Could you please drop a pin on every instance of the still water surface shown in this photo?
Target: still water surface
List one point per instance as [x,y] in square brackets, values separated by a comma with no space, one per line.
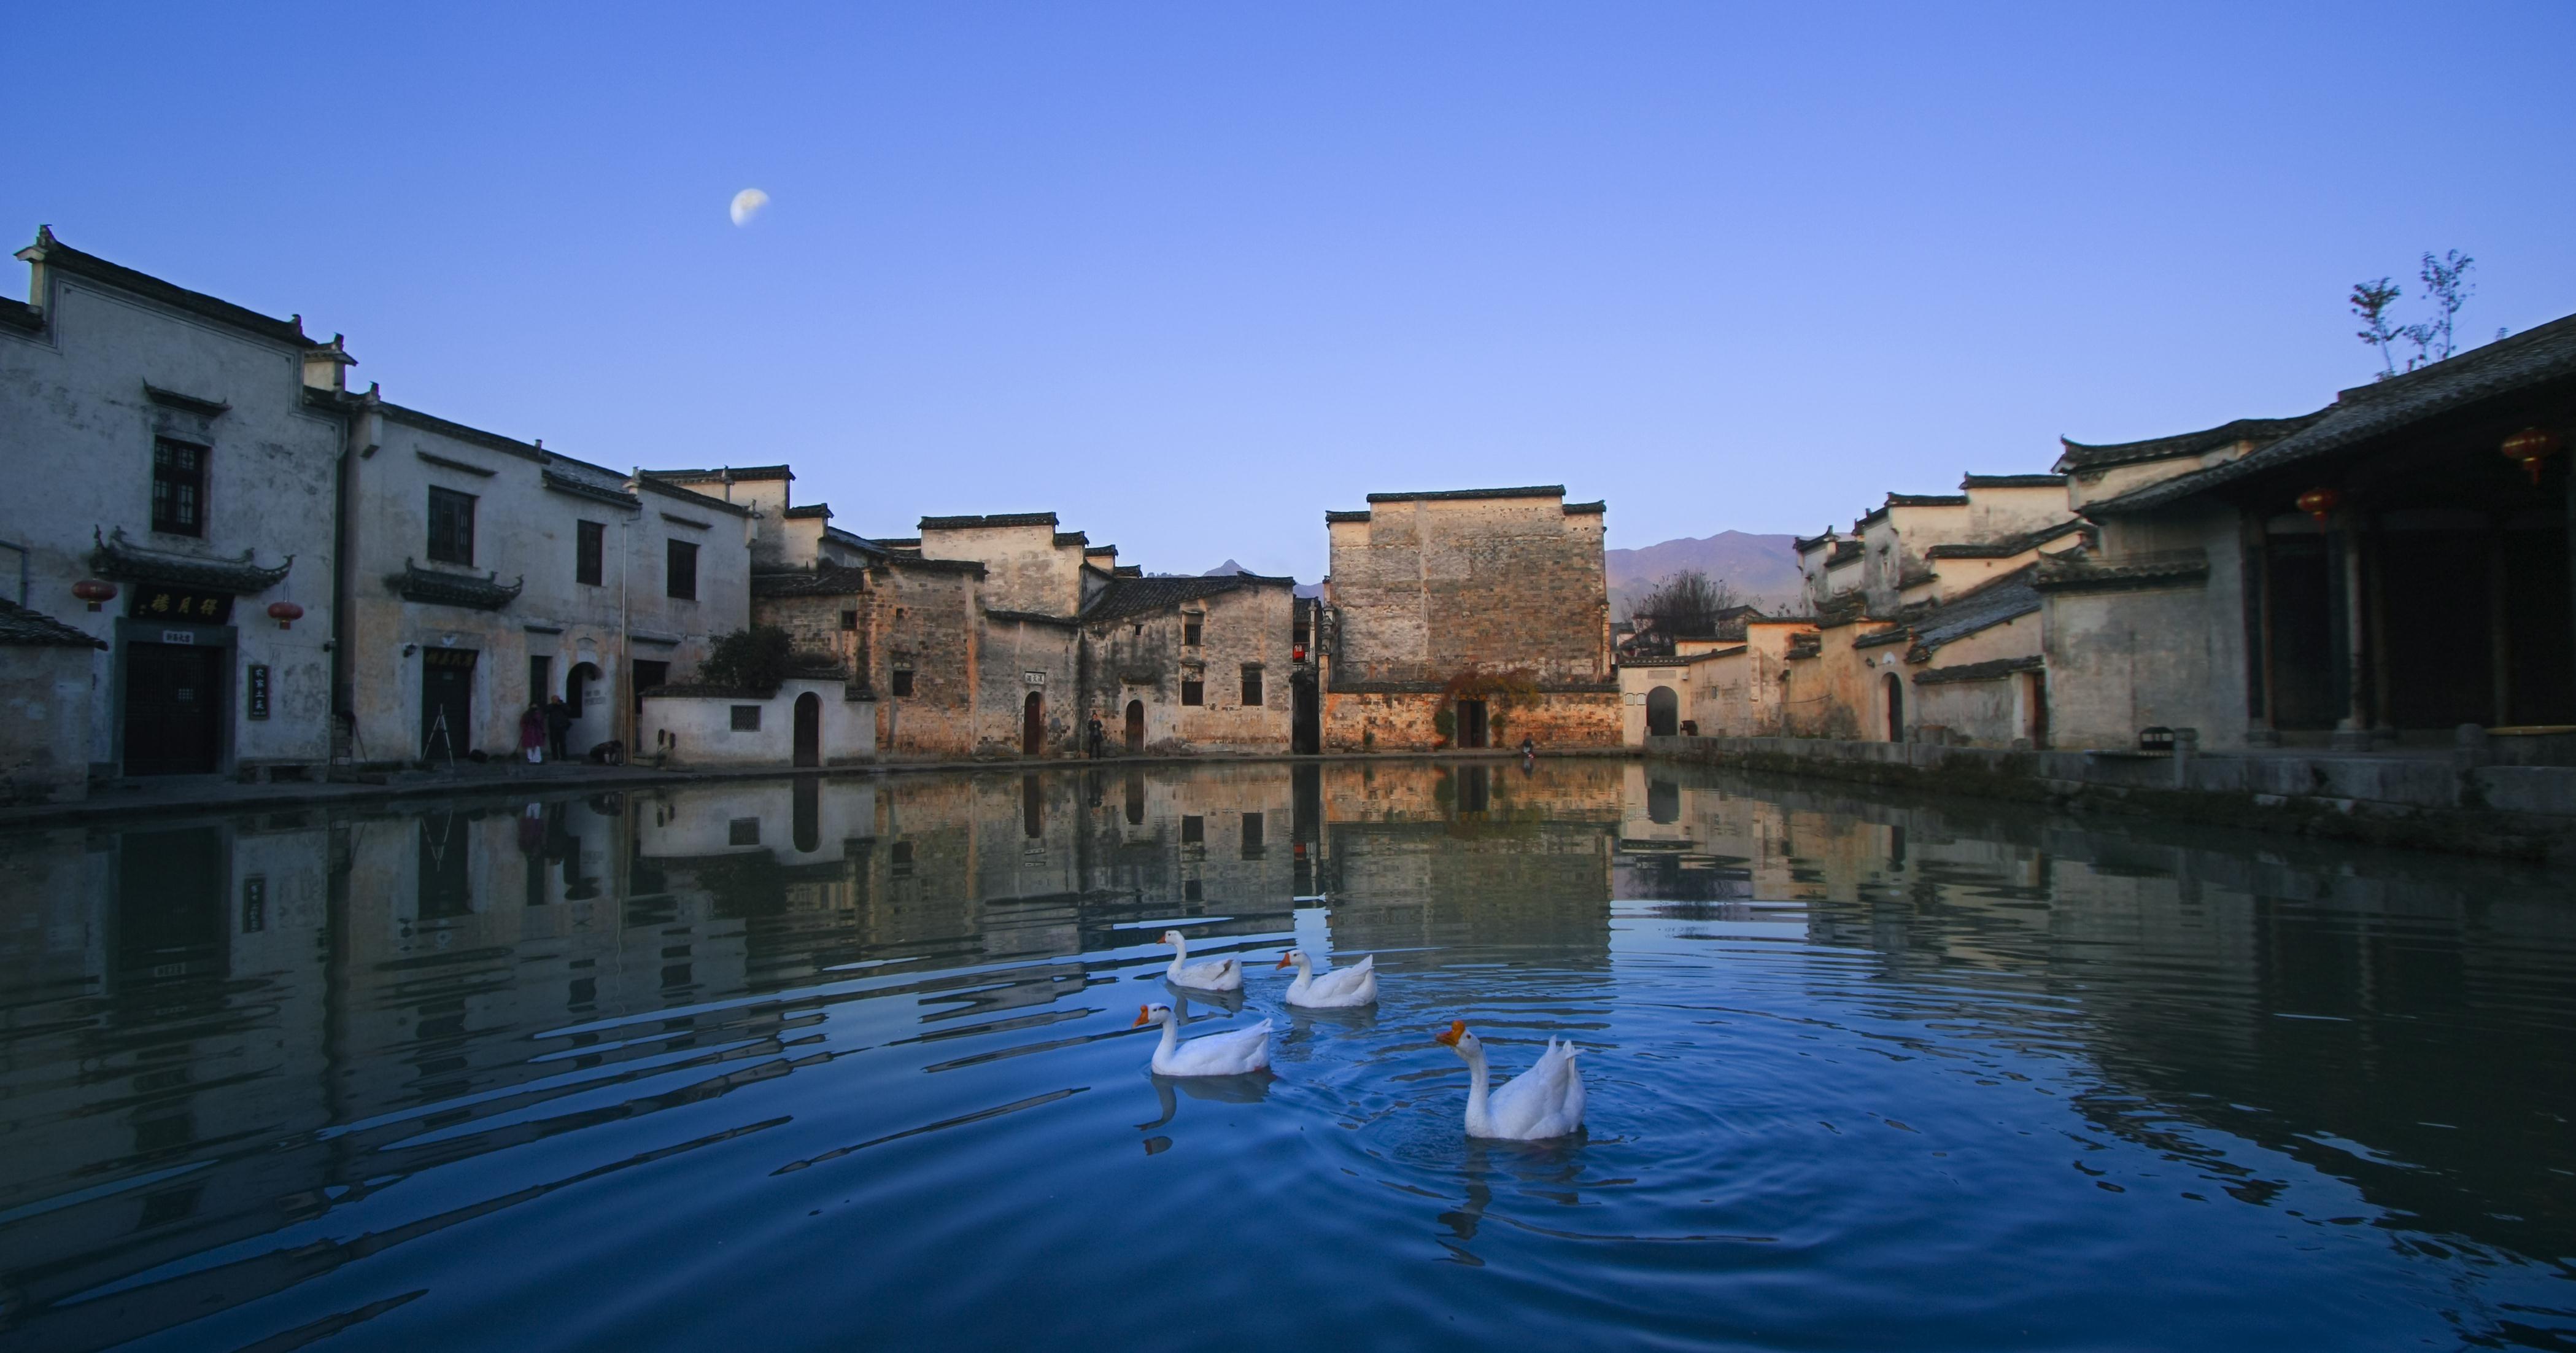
[848,1063]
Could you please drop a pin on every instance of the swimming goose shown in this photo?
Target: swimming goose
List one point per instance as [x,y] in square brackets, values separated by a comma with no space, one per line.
[1339,989]
[1542,1102]
[1224,974]
[1227,1054]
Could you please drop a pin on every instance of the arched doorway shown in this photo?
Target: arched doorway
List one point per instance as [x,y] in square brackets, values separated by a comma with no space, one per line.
[809,729]
[1135,725]
[586,699]
[1895,707]
[1033,725]
[1663,712]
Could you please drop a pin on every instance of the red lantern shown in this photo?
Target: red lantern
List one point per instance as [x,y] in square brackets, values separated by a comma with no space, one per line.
[2318,503]
[1298,653]
[2529,447]
[94,591]
[285,613]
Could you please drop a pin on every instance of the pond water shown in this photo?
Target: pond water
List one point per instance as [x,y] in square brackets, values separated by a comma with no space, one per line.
[846,1063]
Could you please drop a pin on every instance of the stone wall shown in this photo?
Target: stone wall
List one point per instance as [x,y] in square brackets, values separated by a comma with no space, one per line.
[1143,660]
[1403,721]
[696,730]
[45,712]
[1429,587]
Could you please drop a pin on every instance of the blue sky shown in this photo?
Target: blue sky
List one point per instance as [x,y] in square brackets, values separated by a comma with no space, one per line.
[1191,274]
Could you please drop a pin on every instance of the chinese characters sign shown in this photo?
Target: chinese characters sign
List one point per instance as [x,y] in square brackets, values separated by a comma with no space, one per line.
[153,601]
[255,690]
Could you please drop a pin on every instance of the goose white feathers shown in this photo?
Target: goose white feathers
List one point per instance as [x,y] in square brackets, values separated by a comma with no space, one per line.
[1542,1102]
[1339,989]
[1224,974]
[1233,1053]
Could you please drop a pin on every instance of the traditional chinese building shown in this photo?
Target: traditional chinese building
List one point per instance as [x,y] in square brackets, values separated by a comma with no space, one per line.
[1468,618]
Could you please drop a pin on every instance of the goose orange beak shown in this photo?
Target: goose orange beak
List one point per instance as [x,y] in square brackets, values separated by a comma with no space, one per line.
[1144,1015]
[1283,962]
[1449,1037]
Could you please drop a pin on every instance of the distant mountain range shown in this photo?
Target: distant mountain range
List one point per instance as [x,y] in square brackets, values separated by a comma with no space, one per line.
[1761,569]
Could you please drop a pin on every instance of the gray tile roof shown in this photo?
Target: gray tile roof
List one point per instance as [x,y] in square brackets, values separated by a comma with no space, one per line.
[2007,547]
[2079,456]
[1991,670]
[24,628]
[2535,358]
[2012,481]
[970,523]
[114,557]
[824,580]
[53,253]
[1997,602]
[1440,495]
[1125,597]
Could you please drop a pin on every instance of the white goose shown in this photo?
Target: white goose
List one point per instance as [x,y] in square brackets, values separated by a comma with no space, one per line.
[1339,989]
[1227,1054]
[1224,974]
[1542,1102]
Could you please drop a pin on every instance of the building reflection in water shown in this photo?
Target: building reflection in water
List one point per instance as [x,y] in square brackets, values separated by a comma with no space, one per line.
[220,1029]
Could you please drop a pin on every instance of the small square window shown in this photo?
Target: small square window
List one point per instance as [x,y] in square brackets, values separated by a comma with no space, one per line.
[1193,692]
[901,859]
[680,578]
[1193,891]
[743,831]
[1193,829]
[903,681]
[849,620]
[1252,836]
[746,718]
[1251,685]
[1190,630]
[451,526]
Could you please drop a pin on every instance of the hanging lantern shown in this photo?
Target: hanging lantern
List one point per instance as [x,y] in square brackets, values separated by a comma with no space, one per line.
[2529,447]
[2319,503]
[285,613]
[95,591]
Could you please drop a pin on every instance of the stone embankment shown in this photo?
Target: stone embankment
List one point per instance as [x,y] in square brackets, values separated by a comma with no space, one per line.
[2460,802]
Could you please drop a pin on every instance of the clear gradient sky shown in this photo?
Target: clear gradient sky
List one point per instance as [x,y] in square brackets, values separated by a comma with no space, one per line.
[1191,274]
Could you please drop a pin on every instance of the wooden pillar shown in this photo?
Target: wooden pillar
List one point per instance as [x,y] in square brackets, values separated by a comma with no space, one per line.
[2375,639]
[2356,611]
[2499,628]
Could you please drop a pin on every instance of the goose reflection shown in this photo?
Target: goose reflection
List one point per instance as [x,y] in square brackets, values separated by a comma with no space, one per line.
[1249,1088]
[1231,1002]
[1550,1171]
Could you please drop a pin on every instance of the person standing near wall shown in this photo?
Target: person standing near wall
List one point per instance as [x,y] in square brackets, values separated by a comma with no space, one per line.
[558,723]
[532,733]
[1097,733]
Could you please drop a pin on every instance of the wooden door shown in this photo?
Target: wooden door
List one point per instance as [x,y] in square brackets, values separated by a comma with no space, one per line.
[1135,725]
[447,703]
[1033,725]
[1471,723]
[174,709]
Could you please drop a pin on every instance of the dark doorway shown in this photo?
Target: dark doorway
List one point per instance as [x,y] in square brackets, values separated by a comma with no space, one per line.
[1033,725]
[1471,723]
[174,709]
[1305,720]
[578,684]
[1135,725]
[1663,712]
[1895,688]
[446,702]
[541,678]
[648,674]
[809,729]
[2300,628]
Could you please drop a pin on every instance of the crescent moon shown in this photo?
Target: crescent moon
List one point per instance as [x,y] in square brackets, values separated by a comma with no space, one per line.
[747,204]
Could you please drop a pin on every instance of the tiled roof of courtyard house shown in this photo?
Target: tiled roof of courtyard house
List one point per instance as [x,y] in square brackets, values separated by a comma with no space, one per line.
[21,627]
[1125,596]
[823,510]
[1446,495]
[722,473]
[2528,361]
[1803,544]
[1998,601]
[822,580]
[2012,481]
[1990,670]
[2079,456]
[692,497]
[53,253]
[2008,546]
[1927,500]
[974,523]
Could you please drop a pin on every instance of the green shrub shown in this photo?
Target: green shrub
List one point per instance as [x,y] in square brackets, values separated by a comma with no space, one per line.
[753,659]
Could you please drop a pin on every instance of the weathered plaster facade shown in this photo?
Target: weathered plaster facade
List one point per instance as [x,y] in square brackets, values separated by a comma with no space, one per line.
[102,370]
[806,722]
[44,708]
[566,567]
[1428,589]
